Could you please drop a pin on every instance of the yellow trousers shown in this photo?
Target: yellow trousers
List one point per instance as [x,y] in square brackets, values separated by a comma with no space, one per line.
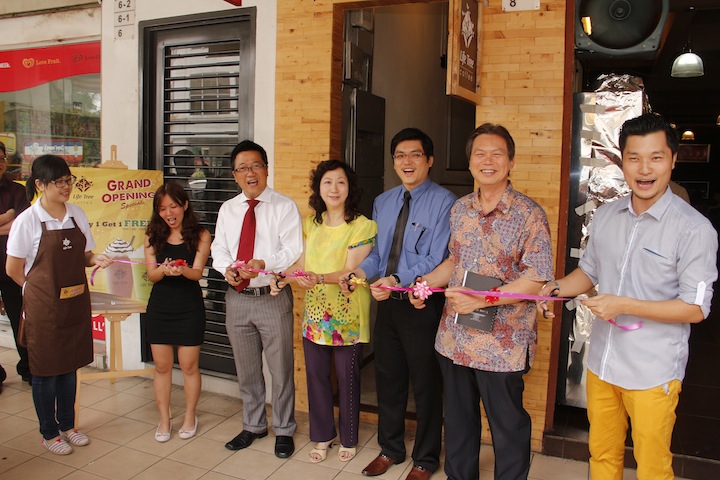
[652,414]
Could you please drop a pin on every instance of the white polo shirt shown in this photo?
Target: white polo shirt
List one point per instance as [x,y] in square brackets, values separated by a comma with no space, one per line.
[24,236]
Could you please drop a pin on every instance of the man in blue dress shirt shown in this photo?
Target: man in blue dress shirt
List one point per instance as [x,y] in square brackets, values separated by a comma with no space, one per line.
[413,233]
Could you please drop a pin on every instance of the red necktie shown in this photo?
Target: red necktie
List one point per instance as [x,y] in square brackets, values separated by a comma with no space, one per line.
[246,247]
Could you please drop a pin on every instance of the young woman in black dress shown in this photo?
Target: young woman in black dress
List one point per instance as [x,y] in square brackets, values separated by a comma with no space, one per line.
[175,311]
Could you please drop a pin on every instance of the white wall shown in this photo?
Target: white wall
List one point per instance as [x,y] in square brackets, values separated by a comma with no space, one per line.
[70,26]
[17,6]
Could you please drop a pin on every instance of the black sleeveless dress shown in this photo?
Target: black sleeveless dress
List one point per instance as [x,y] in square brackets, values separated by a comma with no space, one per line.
[175,310]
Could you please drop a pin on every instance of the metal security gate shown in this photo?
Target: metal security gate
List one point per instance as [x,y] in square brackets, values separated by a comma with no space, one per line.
[198,93]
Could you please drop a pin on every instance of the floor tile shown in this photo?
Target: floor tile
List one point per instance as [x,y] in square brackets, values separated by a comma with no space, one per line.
[120,404]
[80,475]
[91,419]
[552,468]
[225,430]
[13,401]
[11,458]
[121,430]
[303,471]
[220,405]
[201,452]
[37,468]
[14,426]
[171,469]
[91,394]
[29,442]
[250,465]
[122,464]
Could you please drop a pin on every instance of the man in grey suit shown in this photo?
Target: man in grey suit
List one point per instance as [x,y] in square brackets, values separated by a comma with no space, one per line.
[263,229]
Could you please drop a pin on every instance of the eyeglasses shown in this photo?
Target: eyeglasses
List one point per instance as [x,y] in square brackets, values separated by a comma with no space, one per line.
[61,182]
[3,160]
[254,168]
[411,156]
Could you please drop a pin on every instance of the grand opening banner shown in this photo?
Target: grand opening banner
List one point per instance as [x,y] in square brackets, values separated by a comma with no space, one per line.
[118,204]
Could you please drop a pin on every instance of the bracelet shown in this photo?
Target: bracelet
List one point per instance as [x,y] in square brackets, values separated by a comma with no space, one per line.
[555,291]
[322,279]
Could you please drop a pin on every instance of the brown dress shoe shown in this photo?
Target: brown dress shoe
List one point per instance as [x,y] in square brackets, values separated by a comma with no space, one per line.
[379,465]
[419,473]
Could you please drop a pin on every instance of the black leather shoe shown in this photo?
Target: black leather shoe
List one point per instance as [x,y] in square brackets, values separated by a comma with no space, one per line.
[3,375]
[244,440]
[284,446]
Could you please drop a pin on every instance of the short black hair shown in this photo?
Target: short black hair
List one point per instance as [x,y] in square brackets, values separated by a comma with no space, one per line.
[412,134]
[491,129]
[645,125]
[247,146]
[2,147]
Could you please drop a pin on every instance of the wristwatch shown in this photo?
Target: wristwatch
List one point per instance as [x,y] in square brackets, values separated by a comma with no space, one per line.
[396,277]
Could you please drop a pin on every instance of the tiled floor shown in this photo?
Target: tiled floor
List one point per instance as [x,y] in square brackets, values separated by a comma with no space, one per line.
[120,420]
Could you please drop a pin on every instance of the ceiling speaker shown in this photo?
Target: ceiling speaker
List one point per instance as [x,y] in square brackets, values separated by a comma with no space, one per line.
[619,28]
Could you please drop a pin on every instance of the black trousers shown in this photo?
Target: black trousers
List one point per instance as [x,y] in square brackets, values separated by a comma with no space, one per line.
[510,426]
[12,298]
[405,353]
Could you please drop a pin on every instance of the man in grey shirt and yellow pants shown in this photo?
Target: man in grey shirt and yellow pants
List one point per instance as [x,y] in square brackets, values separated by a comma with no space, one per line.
[653,257]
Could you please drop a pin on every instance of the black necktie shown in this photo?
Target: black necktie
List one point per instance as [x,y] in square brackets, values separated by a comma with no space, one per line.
[396,247]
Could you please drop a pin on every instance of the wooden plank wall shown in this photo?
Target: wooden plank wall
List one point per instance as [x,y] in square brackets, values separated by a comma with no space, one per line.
[522,67]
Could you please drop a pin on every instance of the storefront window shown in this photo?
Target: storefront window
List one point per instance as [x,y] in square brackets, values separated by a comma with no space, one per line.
[50,103]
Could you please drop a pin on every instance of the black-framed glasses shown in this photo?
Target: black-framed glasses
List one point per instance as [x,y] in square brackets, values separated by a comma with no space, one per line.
[412,156]
[254,168]
[61,182]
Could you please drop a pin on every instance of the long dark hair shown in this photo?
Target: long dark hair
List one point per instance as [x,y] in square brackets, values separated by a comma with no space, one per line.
[352,203]
[158,230]
[45,168]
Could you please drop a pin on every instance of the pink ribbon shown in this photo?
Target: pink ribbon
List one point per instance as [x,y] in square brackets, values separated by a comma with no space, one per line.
[627,328]
[241,264]
[422,291]
[133,262]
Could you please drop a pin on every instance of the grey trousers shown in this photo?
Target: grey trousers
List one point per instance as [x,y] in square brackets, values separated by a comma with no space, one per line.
[254,325]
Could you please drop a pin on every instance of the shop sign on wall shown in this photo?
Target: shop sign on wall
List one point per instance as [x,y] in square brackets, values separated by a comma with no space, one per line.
[27,68]
[463,49]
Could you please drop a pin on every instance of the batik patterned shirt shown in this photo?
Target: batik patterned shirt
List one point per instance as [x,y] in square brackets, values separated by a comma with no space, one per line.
[510,242]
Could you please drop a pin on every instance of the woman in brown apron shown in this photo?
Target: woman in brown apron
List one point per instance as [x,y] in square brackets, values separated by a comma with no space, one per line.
[48,248]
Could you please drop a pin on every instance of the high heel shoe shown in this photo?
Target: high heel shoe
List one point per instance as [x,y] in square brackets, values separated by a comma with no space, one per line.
[185,434]
[162,437]
[319,453]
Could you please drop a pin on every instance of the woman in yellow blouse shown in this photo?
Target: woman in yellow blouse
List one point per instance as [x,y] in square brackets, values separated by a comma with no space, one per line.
[337,239]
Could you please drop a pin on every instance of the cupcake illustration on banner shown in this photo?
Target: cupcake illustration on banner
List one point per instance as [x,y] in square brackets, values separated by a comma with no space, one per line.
[120,275]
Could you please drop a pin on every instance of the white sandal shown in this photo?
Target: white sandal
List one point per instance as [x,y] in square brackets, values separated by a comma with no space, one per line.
[319,453]
[345,454]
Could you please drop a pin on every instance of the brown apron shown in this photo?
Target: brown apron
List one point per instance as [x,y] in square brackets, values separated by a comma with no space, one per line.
[57,323]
